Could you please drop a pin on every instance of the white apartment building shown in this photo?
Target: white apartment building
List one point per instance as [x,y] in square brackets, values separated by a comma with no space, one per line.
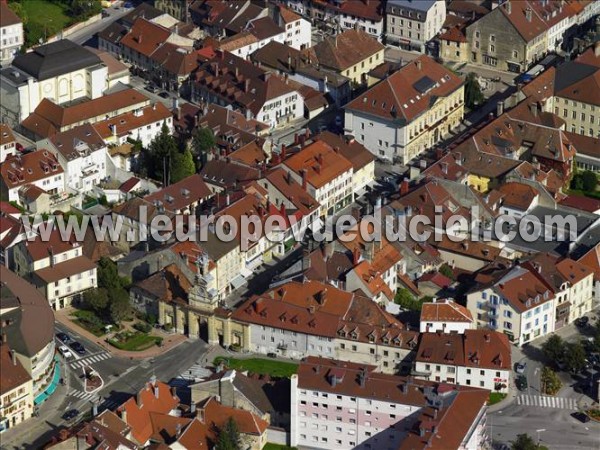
[57,268]
[364,15]
[82,153]
[281,110]
[60,72]
[40,168]
[8,143]
[337,404]
[479,358]
[298,30]
[445,316]
[518,304]
[408,112]
[571,282]
[142,124]
[11,34]
[411,24]
[325,174]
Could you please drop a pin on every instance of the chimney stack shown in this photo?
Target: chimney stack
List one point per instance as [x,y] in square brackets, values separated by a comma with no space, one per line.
[499,108]
[404,186]
[528,14]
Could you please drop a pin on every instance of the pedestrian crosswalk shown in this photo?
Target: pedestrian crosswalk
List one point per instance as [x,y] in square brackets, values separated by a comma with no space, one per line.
[89,360]
[94,397]
[541,401]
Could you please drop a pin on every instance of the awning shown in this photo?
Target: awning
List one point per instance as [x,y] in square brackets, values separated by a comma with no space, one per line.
[246,273]
[51,387]
[238,282]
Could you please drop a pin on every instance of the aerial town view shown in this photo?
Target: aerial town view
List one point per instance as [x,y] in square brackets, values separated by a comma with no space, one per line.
[300,224]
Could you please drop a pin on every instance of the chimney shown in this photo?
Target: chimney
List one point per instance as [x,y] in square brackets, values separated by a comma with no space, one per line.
[283,151]
[247,85]
[444,166]
[508,6]
[318,168]
[486,336]
[533,107]
[404,187]
[156,391]
[296,139]
[306,132]
[124,415]
[528,14]
[418,64]
[355,256]
[458,158]
[499,108]
[13,355]
[193,408]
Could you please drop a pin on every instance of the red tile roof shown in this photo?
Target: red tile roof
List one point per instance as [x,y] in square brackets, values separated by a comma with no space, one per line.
[409,92]
[145,37]
[6,134]
[321,164]
[65,269]
[445,311]
[125,124]
[12,375]
[19,170]
[182,194]
[155,397]
[216,415]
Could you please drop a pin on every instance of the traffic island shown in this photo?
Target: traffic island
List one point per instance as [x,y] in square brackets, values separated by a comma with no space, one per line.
[92,380]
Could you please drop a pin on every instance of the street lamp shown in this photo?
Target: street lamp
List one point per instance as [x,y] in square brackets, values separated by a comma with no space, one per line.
[541,430]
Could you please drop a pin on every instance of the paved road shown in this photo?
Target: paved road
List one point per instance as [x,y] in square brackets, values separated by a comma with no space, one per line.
[86,34]
[563,432]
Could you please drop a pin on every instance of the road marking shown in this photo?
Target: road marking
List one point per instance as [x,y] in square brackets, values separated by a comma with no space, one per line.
[547,402]
[89,359]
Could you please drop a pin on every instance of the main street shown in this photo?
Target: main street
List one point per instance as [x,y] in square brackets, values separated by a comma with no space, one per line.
[123,377]
[87,33]
[562,431]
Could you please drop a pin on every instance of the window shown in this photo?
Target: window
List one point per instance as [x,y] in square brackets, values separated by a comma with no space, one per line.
[482,372]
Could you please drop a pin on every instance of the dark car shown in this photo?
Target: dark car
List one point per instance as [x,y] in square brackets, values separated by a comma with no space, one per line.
[582,321]
[521,382]
[520,367]
[164,94]
[63,337]
[151,88]
[581,417]
[77,347]
[272,355]
[70,414]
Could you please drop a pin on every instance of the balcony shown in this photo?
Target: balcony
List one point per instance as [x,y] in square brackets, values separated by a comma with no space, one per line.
[493,312]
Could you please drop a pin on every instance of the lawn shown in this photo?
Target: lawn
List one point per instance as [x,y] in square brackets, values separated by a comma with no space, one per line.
[261,366]
[496,397]
[270,446]
[45,18]
[89,321]
[134,342]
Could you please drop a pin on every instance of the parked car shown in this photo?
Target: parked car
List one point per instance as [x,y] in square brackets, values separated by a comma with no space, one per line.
[272,355]
[65,352]
[581,417]
[79,349]
[164,94]
[70,414]
[521,382]
[151,88]
[520,367]
[582,321]
[20,147]
[63,337]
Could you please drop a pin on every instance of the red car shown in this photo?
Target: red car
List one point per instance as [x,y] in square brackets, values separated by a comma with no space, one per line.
[20,147]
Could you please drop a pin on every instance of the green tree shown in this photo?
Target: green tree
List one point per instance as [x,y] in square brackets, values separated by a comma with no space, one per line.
[589,181]
[574,357]
[119,307]
[554,348]
[96,300]
[407,301]
[182,166]
[447,271]
[17,8]
[108,275]
[526,442]
[160,154]
[229,437]
[82,9]
[473,95]
[202,142]
[551,384]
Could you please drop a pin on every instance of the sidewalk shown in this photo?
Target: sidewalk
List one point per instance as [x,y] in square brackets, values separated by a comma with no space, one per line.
[170,340]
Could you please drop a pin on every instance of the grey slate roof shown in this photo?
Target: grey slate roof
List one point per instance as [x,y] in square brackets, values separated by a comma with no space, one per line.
[54,59]
[418,5]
